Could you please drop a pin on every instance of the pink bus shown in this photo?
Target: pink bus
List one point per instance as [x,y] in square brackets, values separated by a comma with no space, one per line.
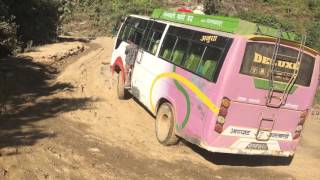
[219,85]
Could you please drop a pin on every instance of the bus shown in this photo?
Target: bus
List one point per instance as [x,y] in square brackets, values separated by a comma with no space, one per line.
[224,84]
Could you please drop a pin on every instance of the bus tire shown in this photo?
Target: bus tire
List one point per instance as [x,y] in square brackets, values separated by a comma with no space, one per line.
[121,91]
[164,125]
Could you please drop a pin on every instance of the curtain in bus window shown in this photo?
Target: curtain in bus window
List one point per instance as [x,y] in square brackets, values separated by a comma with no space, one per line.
[167,47]
[194,56]
[209,63]
[258,57]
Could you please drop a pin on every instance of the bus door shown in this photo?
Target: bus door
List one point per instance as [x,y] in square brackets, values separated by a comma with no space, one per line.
[142,75]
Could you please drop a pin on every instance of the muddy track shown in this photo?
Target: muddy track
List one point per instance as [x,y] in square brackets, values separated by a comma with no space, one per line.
[70,125]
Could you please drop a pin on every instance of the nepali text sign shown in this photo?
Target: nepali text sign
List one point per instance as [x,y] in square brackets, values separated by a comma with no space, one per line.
[210,22]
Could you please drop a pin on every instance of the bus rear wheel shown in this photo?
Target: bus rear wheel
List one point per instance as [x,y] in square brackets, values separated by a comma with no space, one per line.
[121,91]
[164,125]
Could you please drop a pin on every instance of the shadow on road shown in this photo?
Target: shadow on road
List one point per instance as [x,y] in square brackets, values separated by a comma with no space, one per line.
[239,160]
[24,90]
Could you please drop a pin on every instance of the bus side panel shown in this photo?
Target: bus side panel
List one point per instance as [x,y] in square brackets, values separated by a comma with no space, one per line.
[217,91]
[147,86]
[161,83]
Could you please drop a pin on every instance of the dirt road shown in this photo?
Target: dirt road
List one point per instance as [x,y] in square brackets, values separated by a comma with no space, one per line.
[65,122]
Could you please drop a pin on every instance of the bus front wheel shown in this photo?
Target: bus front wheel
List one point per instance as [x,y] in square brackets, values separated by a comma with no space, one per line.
[121,91]
[164,125]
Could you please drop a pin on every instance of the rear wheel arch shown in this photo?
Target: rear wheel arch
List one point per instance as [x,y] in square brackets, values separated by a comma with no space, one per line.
[118,67]
[164,100]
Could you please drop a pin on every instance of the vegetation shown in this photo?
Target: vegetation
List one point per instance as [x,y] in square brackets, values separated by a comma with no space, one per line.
[300,16]
[24,23]
[27,22]
[99,16]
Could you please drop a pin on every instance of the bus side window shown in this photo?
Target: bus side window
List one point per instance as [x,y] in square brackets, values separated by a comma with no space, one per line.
[209,63]
[194,56]
[125,29]
[153,38]
[133,27]
[179,51]
[167,47]
[155,41]
[145,34]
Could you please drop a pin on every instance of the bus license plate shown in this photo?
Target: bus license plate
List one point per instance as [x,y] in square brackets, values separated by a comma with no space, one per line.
[257,146]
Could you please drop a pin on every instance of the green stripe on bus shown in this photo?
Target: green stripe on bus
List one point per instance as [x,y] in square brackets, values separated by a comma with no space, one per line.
[278,86]
[221,23]
[186,95]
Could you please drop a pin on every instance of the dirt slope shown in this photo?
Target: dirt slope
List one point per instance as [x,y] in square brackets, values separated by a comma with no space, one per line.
[73,127]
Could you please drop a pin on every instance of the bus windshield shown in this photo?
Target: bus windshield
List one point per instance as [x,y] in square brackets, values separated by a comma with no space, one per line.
[257,60]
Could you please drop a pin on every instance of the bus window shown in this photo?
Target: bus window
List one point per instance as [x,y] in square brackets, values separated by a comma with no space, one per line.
[180,32]
[133,27]
[124,30]
[209,63]
[167,47]
[257,58]
[155,41]
[126,33]
[194,56]
[179,51]
[152,41]
[145,34]
[198,52]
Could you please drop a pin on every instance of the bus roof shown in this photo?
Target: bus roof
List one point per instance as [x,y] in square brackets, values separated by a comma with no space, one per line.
[206,30]
[230,25]
[221,23]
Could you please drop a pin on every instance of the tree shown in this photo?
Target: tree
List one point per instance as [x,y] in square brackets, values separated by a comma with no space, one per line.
[24,21]
[211,6]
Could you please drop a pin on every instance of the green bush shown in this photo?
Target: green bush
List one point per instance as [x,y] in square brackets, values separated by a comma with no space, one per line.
[104,14]
[37,20]
[22,22]
[299,16]
[314,35]
[8,37]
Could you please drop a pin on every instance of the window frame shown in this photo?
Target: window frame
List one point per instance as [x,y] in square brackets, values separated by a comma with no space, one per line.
[281,46]
[129,24]
[224,51]
[151,33]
